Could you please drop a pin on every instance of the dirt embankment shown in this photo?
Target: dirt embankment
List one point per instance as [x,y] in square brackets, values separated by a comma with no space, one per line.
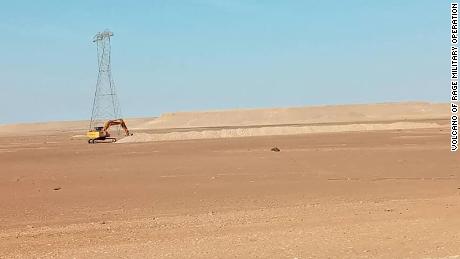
[292,121]
[272,131]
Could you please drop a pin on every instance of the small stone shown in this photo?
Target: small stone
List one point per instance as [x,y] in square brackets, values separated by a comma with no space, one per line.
[57,189]
[275,149]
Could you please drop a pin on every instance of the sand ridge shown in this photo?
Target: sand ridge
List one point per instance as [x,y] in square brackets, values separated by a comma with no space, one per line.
[303,115]
[310,115]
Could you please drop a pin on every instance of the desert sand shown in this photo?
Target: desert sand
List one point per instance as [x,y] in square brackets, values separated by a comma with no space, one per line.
[372,181]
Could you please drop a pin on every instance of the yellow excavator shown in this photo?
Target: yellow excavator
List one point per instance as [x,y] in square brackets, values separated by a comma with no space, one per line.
[101,134]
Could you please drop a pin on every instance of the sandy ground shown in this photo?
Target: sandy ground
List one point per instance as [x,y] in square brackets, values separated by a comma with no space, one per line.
[392,193]
[375,194]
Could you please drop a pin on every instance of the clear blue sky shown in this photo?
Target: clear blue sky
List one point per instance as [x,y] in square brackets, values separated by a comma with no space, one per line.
[171,55]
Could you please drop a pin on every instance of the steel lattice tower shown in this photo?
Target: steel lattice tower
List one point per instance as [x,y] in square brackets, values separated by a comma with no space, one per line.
[105,104]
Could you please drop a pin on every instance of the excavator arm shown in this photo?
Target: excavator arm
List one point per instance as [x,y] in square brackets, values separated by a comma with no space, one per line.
[111,123]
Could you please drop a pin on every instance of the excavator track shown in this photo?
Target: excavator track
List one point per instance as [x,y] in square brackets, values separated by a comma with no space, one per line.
[106,140]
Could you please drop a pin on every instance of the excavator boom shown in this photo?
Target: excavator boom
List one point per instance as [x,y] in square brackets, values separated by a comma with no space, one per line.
[120,122]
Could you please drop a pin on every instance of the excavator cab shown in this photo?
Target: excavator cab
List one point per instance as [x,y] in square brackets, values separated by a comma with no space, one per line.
[101,134]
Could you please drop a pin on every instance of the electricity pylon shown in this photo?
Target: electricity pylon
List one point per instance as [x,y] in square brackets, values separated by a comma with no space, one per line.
[105,103]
